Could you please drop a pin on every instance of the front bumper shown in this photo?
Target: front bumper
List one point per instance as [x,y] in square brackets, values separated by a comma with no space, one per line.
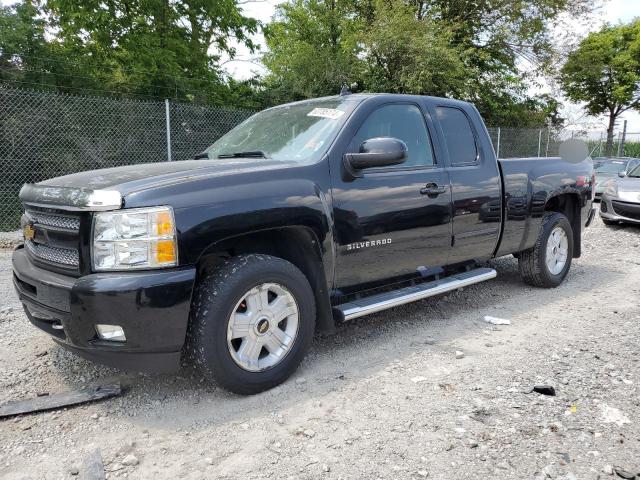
[151,306]
[616,210]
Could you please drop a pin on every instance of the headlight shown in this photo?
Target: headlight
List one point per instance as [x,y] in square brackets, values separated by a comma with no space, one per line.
[134,239]
[611,188]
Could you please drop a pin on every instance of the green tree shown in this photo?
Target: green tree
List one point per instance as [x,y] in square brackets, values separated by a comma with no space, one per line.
[311,49]
[153,48]
[500,33]
[604,72]
[472,49]
[22,34]
[315,47]
[405,54]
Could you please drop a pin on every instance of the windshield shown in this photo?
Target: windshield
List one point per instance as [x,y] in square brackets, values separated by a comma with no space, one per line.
[298,131]
[635,173]
[611,167]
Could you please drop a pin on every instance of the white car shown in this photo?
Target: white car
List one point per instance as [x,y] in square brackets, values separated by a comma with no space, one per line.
[621,199]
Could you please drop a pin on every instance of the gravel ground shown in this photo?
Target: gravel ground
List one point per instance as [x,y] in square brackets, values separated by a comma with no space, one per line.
[10,239]
[388,396]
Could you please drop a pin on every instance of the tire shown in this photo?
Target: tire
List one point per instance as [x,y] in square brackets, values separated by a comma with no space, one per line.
[248,286]
[534,268]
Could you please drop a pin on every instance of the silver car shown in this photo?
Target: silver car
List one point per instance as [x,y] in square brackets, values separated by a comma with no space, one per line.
[607,168]
[621,199]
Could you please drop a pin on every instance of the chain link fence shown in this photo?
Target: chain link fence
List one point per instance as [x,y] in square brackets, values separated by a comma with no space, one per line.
[49,134]
[525,142]
[629,145]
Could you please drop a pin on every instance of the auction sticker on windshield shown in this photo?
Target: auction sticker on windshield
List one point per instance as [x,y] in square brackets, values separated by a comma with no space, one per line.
[332,113]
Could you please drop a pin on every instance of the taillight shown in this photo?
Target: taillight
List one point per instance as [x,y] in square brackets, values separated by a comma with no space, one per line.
[593,185]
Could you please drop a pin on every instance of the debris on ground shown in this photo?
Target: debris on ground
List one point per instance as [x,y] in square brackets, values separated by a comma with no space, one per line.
[92,467]
[544,390]
[130,460]
[45,401]
[622,473]
[613,415]
[496,320]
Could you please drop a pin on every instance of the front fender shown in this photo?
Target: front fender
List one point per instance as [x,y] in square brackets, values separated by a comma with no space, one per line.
[251,208]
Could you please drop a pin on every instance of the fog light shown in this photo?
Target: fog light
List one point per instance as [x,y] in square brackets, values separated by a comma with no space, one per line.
[113,333]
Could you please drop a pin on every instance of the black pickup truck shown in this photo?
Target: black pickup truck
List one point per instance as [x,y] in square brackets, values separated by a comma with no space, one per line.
[304,216]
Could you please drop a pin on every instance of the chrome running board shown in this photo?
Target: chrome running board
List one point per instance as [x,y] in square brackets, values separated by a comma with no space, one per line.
[382,301]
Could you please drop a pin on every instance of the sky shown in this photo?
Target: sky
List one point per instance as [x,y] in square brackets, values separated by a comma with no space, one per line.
[246,64]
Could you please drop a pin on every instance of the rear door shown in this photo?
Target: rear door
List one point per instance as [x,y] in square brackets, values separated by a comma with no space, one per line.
[392,220]
[475,183]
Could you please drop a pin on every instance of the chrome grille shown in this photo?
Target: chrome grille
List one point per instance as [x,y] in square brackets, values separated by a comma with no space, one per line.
[62,256]
[52,220]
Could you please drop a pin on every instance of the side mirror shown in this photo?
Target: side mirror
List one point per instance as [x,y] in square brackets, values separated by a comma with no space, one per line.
[376,152]
[622,174]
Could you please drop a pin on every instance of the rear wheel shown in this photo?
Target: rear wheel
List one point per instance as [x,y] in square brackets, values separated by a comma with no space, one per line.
[252,323]
[548,262]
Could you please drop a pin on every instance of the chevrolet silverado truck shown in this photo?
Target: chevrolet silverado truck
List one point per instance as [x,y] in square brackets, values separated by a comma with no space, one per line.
[304,216]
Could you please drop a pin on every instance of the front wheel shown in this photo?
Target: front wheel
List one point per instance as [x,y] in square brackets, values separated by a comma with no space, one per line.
[548,262]
[252,322]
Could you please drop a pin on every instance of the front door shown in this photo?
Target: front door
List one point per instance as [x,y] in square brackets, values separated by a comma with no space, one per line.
[392,220]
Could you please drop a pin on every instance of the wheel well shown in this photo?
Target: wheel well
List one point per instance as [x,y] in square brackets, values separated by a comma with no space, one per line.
[298,245]
[569,205]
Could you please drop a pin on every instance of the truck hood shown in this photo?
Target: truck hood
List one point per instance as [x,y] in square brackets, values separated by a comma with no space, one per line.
[104,189]
[132,178]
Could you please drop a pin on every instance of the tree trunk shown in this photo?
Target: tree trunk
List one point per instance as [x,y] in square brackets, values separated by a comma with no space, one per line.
[612,123]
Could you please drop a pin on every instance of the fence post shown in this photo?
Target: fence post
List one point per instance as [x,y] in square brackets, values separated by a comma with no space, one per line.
[166,114]
[622,140]
[600,151]
[498,144]
[617,153]
[539,141]
[546,152]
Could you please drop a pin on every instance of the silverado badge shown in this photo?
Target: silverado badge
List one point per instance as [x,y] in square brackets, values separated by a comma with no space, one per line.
[367,244]
[29,232]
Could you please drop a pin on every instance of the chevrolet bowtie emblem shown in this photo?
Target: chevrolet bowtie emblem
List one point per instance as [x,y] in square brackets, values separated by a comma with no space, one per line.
[29,232]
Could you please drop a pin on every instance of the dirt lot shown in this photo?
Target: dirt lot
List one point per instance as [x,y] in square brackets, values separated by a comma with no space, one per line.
[386,397]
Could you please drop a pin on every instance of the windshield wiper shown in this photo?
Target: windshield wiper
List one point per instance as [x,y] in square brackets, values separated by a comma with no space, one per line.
[249,154]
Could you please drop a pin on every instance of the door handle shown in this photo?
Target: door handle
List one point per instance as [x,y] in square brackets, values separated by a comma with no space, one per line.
[432,190]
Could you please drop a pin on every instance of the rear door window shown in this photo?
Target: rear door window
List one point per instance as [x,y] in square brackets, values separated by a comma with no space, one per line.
[458,136]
